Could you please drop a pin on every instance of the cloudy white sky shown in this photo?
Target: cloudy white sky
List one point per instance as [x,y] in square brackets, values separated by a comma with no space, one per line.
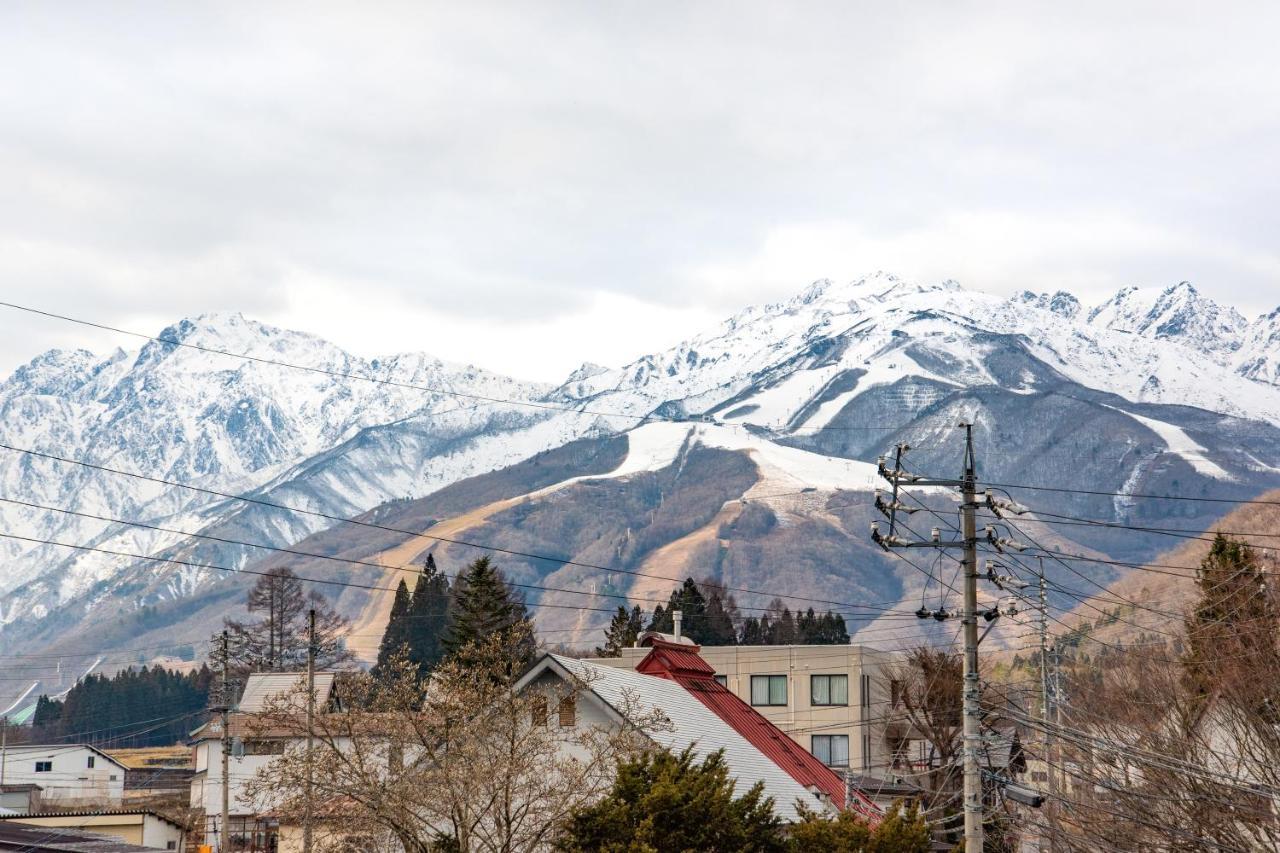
[528,185]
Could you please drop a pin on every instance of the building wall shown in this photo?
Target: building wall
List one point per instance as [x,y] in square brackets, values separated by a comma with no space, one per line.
[868,719]
[141,829]
[206,785]
[70,780]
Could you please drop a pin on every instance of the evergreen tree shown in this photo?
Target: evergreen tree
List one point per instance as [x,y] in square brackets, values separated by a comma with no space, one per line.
[899,832]
[752,633]
[623,631]
[691,603]
[719,629]
[666,803]
[120,710]
[395,638]
[1231,634]
[428,617]
[784,632]
[483,605]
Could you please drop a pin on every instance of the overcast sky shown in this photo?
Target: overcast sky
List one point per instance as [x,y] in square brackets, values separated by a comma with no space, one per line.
[529,185]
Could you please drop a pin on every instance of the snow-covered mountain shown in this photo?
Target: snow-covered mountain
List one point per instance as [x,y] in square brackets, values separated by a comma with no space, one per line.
[221,423]
[1150,391]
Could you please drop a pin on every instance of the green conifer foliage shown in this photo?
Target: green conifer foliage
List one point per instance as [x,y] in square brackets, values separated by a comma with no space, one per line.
[666,803]
[482,605]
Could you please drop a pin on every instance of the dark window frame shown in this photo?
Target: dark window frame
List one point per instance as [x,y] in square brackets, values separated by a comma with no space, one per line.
[828,676]
[829,740]
[770,680]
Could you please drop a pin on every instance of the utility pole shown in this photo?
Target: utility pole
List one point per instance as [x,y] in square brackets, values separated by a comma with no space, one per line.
[224,707]
[4,746]
[972,708]
[968,543]
[1044,704]
[311,716]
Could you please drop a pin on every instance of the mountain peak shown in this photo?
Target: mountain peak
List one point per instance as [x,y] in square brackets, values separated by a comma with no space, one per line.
[1178,312]
[1061,303]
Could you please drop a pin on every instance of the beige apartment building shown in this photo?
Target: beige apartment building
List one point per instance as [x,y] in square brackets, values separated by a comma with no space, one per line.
[839,702]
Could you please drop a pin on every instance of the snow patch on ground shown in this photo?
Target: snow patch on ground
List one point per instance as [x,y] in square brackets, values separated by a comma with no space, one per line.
[1181,444]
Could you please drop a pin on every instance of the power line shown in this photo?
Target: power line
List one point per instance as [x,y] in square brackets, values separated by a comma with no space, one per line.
[412,533]
[352,561]
[337,374]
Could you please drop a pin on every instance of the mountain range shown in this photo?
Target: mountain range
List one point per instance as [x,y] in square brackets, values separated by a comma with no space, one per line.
[744,455]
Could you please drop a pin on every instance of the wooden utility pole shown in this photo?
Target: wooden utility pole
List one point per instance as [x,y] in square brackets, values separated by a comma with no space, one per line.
[311,716]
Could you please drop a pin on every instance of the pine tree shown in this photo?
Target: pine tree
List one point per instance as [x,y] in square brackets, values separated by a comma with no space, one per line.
[427,620]
[623,631]
[395,638]
[484,605]
[751,635]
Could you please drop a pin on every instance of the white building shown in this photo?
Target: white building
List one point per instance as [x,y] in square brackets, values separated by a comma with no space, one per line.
[68,774]
[703,714]
[250,749]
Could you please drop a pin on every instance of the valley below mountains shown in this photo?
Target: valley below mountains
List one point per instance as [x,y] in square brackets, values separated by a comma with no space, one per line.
[137,485]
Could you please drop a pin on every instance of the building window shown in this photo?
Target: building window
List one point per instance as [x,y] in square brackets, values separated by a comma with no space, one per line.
[171,845]
[722,680]
[111,778]
[44,766]
[831,750]
[866,752]
[769,690]
[90,763]
[538,710]
[568,713]
[829,689]
[263,746]
[865,692]
[895,693]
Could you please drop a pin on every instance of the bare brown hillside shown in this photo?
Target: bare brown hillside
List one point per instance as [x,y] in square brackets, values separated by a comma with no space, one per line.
[1167,584]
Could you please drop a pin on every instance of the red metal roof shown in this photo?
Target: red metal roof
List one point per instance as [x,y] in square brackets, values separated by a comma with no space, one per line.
[682,664]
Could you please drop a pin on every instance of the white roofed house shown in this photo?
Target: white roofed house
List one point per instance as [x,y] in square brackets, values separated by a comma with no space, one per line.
[251,745]
[69,774]
[702,715]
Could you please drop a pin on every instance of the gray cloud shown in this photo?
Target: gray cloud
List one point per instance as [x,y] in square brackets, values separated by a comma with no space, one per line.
[514,168]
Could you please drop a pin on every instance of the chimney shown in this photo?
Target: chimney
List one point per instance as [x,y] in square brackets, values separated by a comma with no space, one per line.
[676,617]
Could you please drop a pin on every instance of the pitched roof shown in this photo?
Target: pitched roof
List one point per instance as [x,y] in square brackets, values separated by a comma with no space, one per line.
[36,839]
[53,815]
[683,665]
[52,749]
[628,692]
[262,687]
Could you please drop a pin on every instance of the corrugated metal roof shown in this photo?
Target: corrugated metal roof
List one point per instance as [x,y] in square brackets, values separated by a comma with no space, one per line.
[262,687]
[31,839]
[691,725]
[683,665]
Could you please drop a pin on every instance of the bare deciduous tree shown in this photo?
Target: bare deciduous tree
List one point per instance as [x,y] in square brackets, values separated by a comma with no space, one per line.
[459,762]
